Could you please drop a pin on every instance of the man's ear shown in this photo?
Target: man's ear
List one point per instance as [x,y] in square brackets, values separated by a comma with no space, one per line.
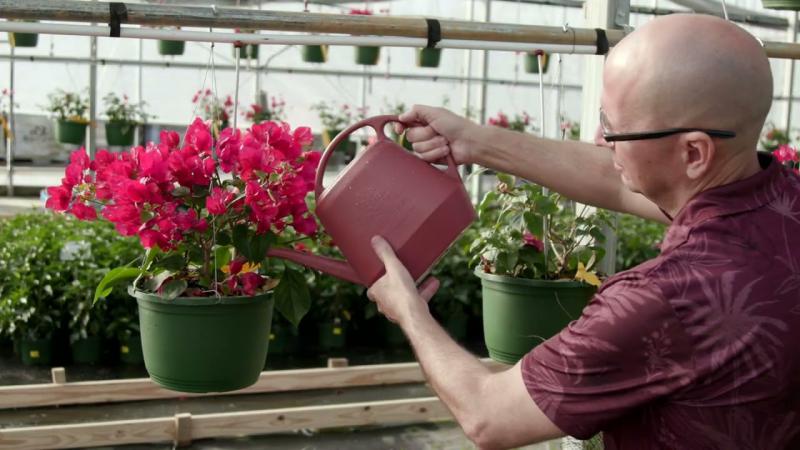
[697,150]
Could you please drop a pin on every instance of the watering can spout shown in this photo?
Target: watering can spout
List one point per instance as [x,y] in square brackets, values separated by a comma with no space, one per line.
[332,266]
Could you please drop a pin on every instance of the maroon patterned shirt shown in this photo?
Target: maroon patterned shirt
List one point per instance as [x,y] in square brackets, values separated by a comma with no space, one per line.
[698,348]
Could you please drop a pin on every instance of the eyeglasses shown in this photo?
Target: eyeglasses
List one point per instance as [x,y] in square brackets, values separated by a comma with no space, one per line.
[640,136]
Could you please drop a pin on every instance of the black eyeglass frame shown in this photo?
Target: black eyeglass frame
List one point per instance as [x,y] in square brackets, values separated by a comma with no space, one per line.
[640,136]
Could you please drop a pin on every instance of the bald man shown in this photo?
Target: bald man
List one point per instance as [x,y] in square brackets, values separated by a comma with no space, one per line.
[694,349]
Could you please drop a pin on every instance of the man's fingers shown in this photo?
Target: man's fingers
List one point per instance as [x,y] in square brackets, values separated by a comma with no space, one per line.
[430,144]
[429,288]
[384,251]
[420,134]
[436,156]
[417,114]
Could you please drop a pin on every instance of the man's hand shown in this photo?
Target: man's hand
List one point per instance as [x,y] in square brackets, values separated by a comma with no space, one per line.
[435,132]
[396,293]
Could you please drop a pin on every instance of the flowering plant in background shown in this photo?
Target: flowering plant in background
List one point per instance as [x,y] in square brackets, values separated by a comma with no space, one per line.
[205,210]
[520,122]
[570,130]
[214,109]
[774,138]
[258,113]
[518,219]
[5,110]
[120,110]
[338,116]
[788,156]
[360,12]
[68,106]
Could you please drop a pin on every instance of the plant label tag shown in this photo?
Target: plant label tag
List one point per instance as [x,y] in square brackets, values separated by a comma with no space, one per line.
[271,336]
[124,349]
[337,331]
[34,354]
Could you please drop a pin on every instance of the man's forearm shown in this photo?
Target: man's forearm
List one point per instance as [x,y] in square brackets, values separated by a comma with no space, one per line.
[455,375]
[580,171]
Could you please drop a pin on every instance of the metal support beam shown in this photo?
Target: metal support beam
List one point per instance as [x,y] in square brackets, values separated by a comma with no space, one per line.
[11,138]
[788,80]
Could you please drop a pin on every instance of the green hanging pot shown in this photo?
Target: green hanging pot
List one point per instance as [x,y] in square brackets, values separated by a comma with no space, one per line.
[786,5]
[38,352]
[332,334]
[87,351]
[429,57]
[532,62]
[130,350]
[315,53]
[204,344]
[120,133]
[23,39]
[519,314]
[368,56]
[68,132]
[246,51]
[171,48]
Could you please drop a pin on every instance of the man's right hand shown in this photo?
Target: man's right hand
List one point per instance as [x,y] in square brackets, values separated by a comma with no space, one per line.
[435,132]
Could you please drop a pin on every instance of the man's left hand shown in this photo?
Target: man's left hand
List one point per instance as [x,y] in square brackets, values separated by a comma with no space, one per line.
[395,292]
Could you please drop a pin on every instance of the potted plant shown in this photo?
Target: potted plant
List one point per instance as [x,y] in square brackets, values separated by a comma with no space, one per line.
[171,48]
[519,122]
[429,57]
[773,138]
[535,256]
[788,156]
[206,211]
[570,130]
[123,118]
[783,5]
[315,53]
[366,55]
[532,62]
[214,109]
[259,113]
[245,50]
[24,39]
[638,240]
[335,118]
[69,110]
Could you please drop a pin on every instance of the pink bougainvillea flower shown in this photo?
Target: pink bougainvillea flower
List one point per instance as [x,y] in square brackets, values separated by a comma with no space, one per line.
[251,282]
[530,240]
[58,198]
[786,153]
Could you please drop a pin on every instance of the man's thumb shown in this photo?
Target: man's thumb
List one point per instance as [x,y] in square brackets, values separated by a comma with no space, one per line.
[429,288]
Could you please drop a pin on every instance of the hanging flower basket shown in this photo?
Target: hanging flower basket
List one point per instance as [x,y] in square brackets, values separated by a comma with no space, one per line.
[69,132]
[532,62]
[171,48]
[183,354]
[785,5]
[315,53]
[23,39]
[429,57]
[120,133]
[519,314]
[368,56]
[246,51]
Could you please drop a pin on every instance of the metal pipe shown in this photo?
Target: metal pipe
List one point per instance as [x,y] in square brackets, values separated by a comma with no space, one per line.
[788,85]
[304,22]
[291,70]
[92,140]
[12,128]
[289,39]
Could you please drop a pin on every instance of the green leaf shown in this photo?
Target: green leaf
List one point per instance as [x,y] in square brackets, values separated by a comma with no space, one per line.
[259,244]
[113,278]
[534,223]
[173,289]
[223,238]
[487,202]
[223,255]
[153,283]
[292,297]
[173,262]
[507,179]
[241,240]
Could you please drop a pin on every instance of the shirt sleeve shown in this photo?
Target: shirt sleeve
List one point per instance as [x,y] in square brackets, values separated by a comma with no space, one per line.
[626,350]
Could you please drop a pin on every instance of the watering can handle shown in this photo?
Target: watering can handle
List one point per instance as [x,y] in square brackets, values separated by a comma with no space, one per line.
[377,123]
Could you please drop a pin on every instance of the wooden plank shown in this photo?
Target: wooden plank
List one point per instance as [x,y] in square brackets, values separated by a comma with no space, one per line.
[183,429]
[139,431]
[243,423]
[414,410]
[84,392]
[59,375]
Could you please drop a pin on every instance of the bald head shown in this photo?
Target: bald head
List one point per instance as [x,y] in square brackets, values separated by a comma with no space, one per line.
[691,71]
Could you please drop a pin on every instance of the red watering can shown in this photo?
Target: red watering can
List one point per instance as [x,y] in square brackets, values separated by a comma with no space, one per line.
[419,209]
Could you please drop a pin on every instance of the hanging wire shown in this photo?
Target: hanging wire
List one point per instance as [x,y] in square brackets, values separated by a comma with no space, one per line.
[724,10]
[545,227]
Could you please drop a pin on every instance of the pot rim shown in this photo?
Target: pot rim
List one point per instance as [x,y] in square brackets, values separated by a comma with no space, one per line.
[529,282]
[200,301]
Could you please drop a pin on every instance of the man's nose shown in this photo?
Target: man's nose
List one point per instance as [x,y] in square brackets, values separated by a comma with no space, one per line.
[599,140]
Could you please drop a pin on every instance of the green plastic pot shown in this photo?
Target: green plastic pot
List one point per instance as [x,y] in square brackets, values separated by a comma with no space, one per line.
[130,350]
[24,39]
[37,352]
[246,51]
[68,132]
[786,5]
[171,48]
[87,351]
[283,339]
[429,57]
[204,344]
[368,56]
[332,335]
[519,314]
[346,149]
[120,133]
[315,53]
[532,63]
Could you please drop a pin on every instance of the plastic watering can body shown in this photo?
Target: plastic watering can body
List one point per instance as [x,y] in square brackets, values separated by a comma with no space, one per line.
[386,190]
